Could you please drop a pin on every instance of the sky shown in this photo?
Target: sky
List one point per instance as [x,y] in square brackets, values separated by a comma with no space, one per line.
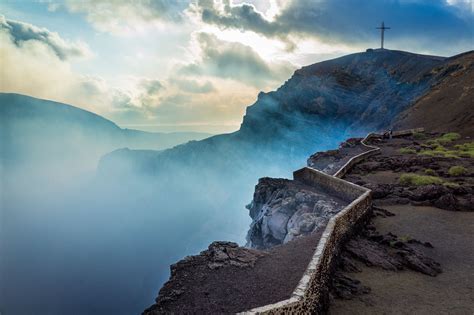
[195,65]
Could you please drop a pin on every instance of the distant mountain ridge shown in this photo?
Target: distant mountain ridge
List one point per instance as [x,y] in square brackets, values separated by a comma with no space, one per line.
[43,129]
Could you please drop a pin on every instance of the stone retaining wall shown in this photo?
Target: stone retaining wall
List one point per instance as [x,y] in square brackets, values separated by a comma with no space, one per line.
[312,293]
[372,149]
[356,159]
[345,190]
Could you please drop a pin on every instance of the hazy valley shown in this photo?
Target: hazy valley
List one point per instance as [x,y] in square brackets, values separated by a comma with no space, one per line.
[118,206]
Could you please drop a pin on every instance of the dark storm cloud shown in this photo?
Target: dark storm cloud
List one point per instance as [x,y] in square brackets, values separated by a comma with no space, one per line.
[243,17]
[23,32]
[234,61]
[351,21]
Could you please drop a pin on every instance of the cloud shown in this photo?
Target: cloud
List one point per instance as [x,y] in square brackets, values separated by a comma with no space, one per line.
[193,86]
[121,16]
[180,99]
[243,16]
[350,21]
[151,86]
[32,67]
[221,106]
[233,60]
[199,92]
[467,5]
[183,102]
[23,32]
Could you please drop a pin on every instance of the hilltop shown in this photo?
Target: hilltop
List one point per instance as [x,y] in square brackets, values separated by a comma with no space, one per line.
[347,96]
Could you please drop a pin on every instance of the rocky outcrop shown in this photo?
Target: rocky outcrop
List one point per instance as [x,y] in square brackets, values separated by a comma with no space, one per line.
[344,287]
[390,253]
[387,251]
[218,255]
[458,196]
[284,209]
[227,279]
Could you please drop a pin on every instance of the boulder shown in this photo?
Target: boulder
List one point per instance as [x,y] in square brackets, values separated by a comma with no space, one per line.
[428,192]
[447,201]
[282,210]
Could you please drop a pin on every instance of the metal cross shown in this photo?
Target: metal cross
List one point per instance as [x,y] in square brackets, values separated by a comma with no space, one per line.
[382,32]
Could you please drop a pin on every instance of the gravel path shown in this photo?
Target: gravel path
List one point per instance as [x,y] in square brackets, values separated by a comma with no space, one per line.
[232,289]
[331,161]
[409,292]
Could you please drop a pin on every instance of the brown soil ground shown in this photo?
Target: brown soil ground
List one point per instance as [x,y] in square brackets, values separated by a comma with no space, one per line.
[272,279]
[448,106]
[409,292]
[195,288]
[450,232]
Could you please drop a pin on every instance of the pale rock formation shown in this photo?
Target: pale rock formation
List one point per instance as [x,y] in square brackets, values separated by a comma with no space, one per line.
[283,210]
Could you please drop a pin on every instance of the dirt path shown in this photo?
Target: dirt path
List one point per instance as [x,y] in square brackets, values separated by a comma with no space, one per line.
[197,289]
[408,292]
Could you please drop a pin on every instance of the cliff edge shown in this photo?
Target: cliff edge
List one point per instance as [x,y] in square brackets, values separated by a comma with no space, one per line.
[365,91]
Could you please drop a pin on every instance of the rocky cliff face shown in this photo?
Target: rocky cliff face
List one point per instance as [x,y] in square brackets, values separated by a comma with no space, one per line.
[318,107]
[413,73]
[359,91]
[356,93]
[283,209]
